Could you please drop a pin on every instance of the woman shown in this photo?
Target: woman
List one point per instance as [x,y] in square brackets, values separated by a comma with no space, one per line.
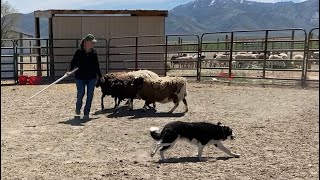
[86,59]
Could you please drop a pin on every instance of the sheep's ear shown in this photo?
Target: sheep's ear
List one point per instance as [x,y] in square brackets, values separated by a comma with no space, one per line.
[113,83]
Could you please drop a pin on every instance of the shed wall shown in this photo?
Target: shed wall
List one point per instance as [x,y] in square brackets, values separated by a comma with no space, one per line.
[105,27]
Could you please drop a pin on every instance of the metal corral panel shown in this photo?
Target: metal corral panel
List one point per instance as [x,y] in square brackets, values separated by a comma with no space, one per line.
[151,26]
[7,64]
[7,60]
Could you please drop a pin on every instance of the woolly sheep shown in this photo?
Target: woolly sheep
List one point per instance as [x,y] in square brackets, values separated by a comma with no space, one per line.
[297,60]
[120,81]
[164,90]
[272,64]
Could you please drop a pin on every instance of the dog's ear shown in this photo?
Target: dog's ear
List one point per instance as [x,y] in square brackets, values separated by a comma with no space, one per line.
[220,124]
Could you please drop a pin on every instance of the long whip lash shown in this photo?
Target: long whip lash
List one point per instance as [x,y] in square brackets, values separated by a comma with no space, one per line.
[58,80]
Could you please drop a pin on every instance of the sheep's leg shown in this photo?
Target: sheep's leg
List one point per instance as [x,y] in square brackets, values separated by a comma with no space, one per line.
[148,105]
[102,105]
[131,104]
[185,104]
[130,101]
[117,105]
[145,106]
[115,102]
[153,104]
[174,107]
[200,150]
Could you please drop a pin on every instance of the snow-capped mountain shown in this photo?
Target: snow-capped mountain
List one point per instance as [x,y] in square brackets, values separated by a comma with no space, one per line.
[224,15]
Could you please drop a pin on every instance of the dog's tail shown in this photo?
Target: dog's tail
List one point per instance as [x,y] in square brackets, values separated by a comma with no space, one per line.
[155,133]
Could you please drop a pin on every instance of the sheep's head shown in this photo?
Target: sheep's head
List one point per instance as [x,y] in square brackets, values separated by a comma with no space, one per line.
[99,83]
[115,83]
[138,82]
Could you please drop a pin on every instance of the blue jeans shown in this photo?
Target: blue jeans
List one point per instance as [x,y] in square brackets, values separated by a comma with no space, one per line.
[80,94]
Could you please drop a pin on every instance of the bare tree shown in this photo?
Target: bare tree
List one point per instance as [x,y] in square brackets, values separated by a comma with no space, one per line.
[9,18]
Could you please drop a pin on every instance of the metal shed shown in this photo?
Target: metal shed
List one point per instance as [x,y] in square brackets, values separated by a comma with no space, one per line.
[68,27]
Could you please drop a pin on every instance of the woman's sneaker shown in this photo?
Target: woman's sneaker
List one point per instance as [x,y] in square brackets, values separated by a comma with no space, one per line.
[85,117]
[77,112]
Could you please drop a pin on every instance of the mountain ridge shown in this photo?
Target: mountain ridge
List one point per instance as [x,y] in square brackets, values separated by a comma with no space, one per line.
[201,16]
[229,15]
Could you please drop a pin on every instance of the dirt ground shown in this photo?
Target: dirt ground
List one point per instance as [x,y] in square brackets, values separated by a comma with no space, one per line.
[277,135]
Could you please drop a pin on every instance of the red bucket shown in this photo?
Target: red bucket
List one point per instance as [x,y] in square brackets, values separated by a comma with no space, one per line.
[35,80]
[226,75]
[22,79]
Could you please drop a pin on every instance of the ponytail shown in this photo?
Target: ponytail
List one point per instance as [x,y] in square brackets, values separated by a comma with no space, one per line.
[82,43]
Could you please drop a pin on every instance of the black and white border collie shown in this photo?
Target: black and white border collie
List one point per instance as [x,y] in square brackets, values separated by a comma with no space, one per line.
[197,133]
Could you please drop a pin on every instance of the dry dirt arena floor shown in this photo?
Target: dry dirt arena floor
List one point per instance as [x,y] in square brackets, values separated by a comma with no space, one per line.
[277,135]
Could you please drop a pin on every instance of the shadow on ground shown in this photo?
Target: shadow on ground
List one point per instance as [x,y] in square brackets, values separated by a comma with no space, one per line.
[105,111]
[76,121]
[137,113]
[193,160]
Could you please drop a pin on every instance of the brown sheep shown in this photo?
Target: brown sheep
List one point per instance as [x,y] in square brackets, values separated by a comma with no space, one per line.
[164,90]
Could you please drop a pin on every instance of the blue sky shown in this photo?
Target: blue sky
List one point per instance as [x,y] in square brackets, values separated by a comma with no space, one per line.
[27,6]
